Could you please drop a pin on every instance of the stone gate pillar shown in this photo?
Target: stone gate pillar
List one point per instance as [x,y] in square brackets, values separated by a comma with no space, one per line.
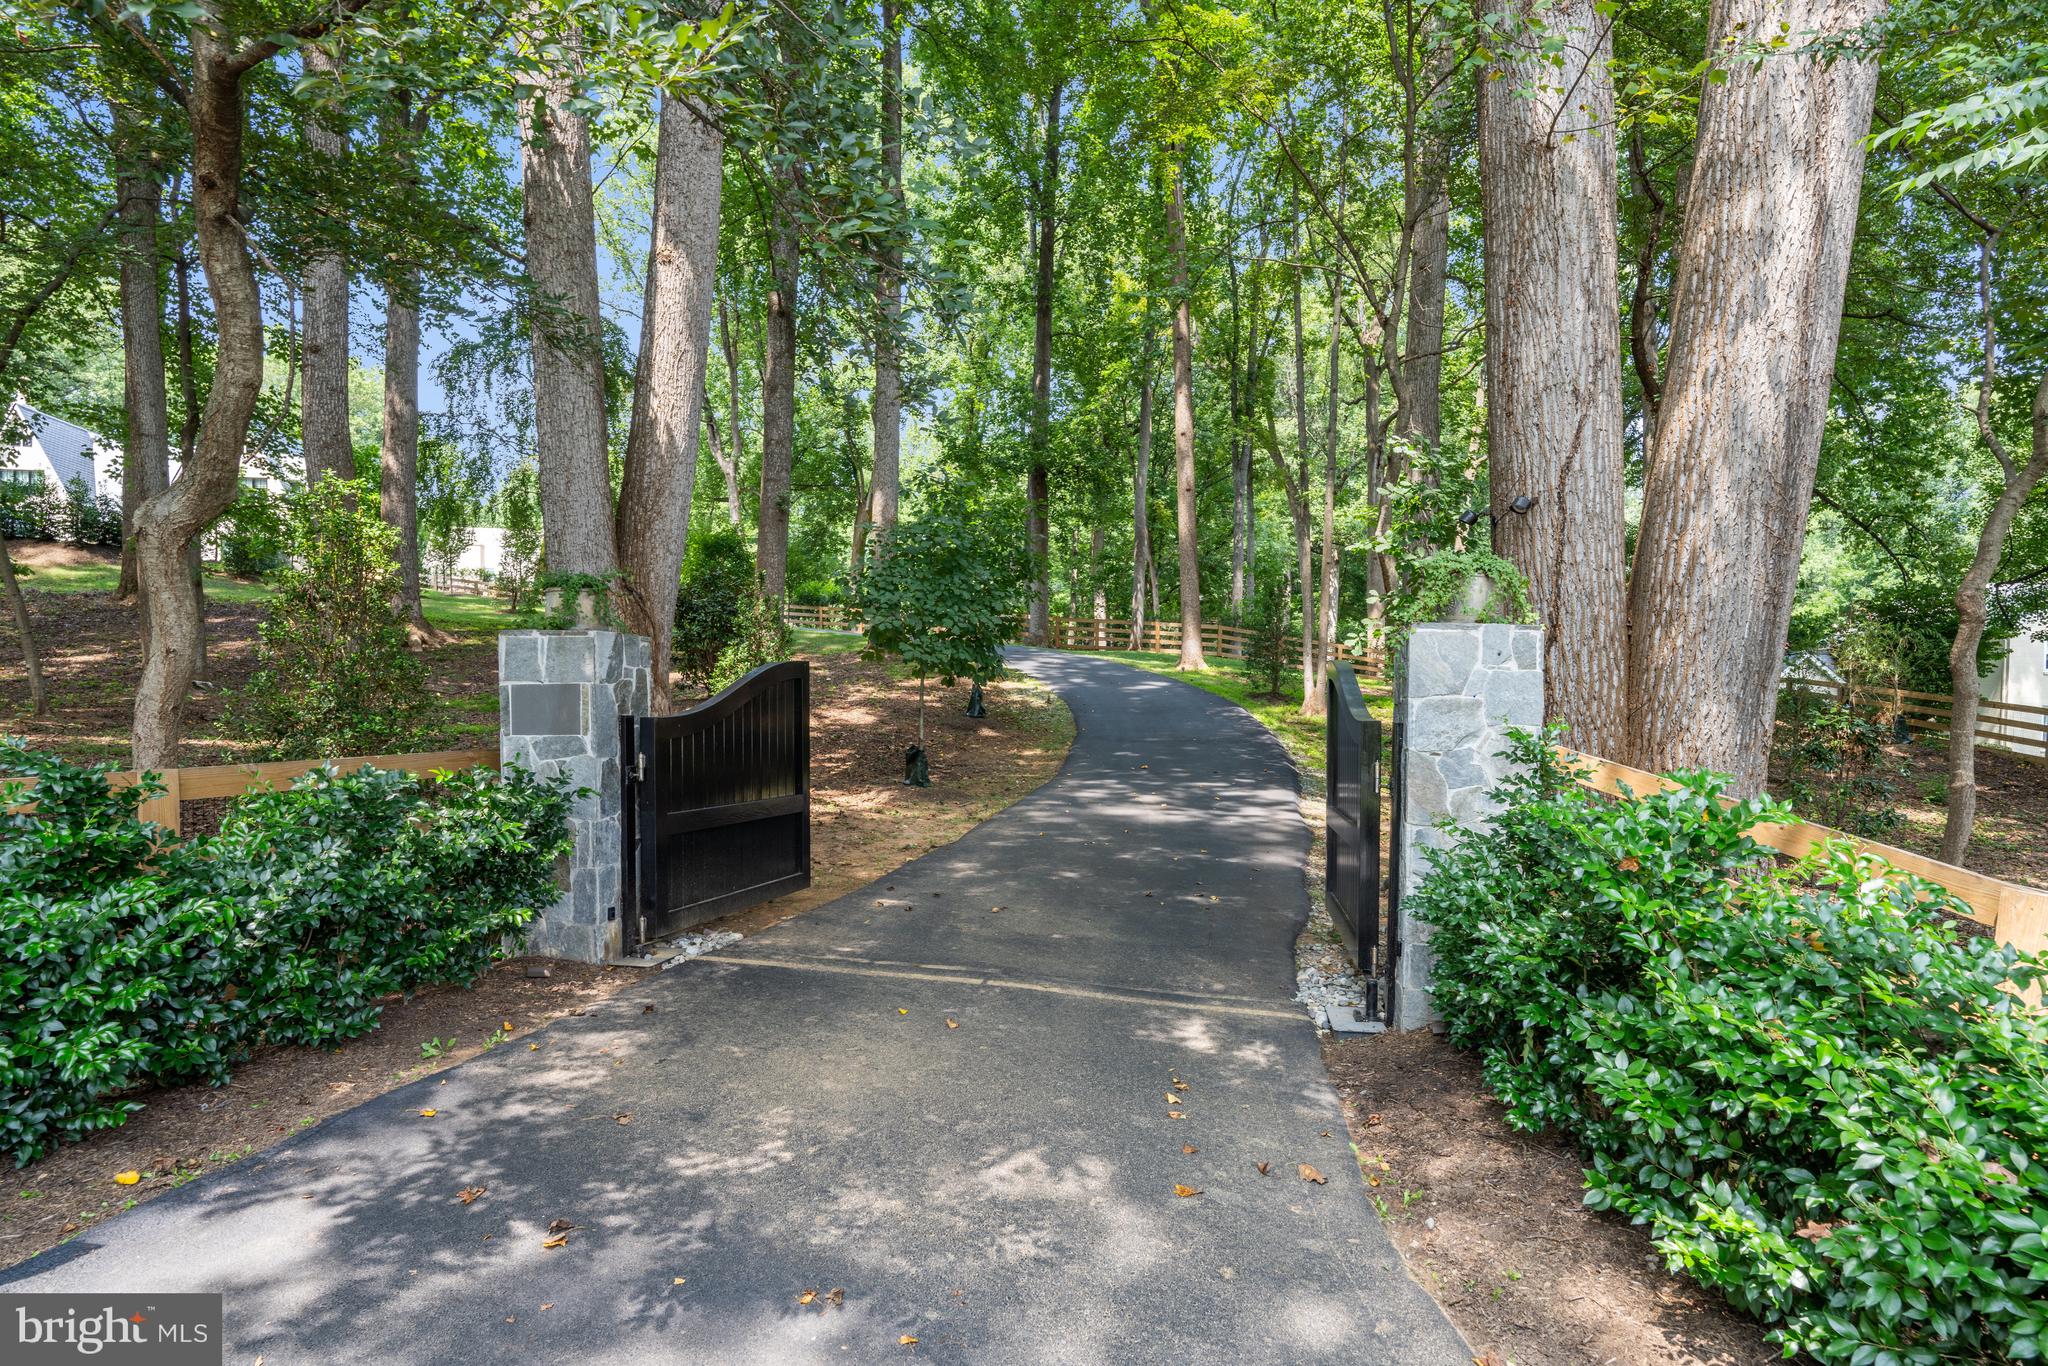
[1459,687]
[560,697]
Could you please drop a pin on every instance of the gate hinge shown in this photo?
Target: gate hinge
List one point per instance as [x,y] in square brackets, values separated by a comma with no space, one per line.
[640,767]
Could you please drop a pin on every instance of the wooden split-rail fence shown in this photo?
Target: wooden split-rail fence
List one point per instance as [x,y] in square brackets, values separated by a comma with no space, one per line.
[181,785]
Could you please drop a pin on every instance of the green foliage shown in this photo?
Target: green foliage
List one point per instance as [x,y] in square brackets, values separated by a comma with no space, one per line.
[519,511]
[1830,761]
[334,674]
[125,964]
[251,534]
[936,594]
[44,512]
[1434,586]
[718,591]
[1809,1084]
[760,636]
[1265,653]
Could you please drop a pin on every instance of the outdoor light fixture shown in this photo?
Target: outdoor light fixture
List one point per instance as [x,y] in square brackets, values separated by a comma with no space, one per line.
[1519,507]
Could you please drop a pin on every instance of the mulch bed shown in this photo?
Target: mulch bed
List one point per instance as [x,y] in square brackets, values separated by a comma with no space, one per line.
[1491,1222]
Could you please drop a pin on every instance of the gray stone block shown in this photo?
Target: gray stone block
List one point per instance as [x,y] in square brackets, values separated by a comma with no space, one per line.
[1437,725]
[1426,792]
[543,709]
[571,657]
[555,747]
[1528,647]
[1440,661]
[1514,697]
[1463,768]
[518,657]
[1496,645]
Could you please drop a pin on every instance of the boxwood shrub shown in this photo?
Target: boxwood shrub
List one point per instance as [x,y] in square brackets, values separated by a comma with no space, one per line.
[1819,1092]
[126,961]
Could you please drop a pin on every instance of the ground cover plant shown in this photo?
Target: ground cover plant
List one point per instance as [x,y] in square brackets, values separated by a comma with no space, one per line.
[1814,1087]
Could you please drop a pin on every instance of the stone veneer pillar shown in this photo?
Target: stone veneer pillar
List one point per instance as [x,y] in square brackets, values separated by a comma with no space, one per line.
[560,697]
[1459,687]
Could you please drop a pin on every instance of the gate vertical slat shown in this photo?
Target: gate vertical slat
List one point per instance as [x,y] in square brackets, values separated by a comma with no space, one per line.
[1351,798]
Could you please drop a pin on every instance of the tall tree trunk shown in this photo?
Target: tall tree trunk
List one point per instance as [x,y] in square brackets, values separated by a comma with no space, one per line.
[146,438]
[1184,421]
[1642,307]
[570,439]
[1141,498]
[778,401]
[1038,490]
[735,471]
[323,420]
[888,403]
[1297,499]
[668,386]
[31,658]
[724,460]
[1420,418]
[2020,481]
[1313,702]
[167,524]
[399,447]
[1756,311]
[1553,362]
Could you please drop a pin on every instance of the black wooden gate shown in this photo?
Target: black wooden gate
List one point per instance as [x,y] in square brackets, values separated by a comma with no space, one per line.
[718,804]
[1351,808]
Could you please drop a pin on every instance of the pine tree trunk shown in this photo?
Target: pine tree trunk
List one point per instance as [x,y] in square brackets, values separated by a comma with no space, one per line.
[167,524]
[1141,498]
[1756,311]
[1184,422]
[570,438]
[888,400]
[323,416]
[1038,489]
[1553,355]
[778,401]
[668,386]
[146,443]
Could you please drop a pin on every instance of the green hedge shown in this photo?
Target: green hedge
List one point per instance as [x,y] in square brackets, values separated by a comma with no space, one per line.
[125,964]
[1813,1087]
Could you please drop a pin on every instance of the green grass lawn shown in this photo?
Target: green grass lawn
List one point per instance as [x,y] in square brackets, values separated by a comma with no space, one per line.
[1302,735]
[804,640]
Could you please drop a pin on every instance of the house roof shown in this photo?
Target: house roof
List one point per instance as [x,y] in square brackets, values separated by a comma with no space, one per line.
[67,447]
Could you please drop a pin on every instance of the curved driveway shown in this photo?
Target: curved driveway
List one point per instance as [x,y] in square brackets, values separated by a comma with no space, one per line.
[804,1118]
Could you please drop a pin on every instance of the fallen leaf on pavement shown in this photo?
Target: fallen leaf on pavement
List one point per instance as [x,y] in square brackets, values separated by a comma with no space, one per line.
[680,1279]
[907,1341]
[624,1117]
[1265,1169]
[549,1305]
[468,1194]
[560,1226]
[428,1114]
[1189,1148]
[807,1297]
[1185,1191]
[533,1048]
[559,1240]
[1309,1173]
[127,1178]
[835,1296]
[952,1023]
[901,1011]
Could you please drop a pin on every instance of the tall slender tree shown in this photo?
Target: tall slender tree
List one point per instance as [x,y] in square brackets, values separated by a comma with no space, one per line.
[323,416]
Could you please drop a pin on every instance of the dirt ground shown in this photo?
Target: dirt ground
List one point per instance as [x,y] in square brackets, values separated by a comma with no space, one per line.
[865,823]
[2010,838]
[92,658]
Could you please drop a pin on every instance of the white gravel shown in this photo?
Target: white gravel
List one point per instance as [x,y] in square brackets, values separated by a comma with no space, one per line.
[1324,985]
[692,945]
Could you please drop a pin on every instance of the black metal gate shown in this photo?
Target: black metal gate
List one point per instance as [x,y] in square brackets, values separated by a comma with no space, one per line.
[718,804]
[1351,809]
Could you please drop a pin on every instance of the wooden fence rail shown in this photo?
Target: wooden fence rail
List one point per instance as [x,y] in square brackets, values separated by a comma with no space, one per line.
[232,780]
[2014,914]
[2012,726]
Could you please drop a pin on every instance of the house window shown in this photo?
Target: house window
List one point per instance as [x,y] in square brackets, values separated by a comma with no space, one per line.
[250,481]
[21,478]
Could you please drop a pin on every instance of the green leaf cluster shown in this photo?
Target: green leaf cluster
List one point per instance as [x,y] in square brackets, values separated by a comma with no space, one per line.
[1813,1087]
[938,595]
[127,962]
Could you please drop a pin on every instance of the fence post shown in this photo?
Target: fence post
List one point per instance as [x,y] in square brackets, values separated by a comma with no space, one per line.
[560,697]
[1459,687]
[164,810]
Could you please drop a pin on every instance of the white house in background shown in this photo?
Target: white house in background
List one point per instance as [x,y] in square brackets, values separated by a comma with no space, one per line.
[56,454]
[2021,679]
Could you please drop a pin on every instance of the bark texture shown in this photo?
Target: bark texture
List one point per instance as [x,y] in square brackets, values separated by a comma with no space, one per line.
[1553,353]
[398,500]
[675,331]
[888,400]
[736,462]
[323,414]
[166,524]
[146,438]
[1038,486]
[1184,424]
[778,406]
[1756,312]
[568,364]
[1141,496]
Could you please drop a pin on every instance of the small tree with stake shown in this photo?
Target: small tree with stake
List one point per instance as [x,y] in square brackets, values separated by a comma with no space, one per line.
[935,597]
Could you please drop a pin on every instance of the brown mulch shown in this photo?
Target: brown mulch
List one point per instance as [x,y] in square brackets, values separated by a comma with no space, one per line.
[865,823]
[2010,838]
[1491,1223]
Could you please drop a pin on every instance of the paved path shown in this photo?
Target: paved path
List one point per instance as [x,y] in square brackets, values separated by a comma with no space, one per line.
[1002,1191]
